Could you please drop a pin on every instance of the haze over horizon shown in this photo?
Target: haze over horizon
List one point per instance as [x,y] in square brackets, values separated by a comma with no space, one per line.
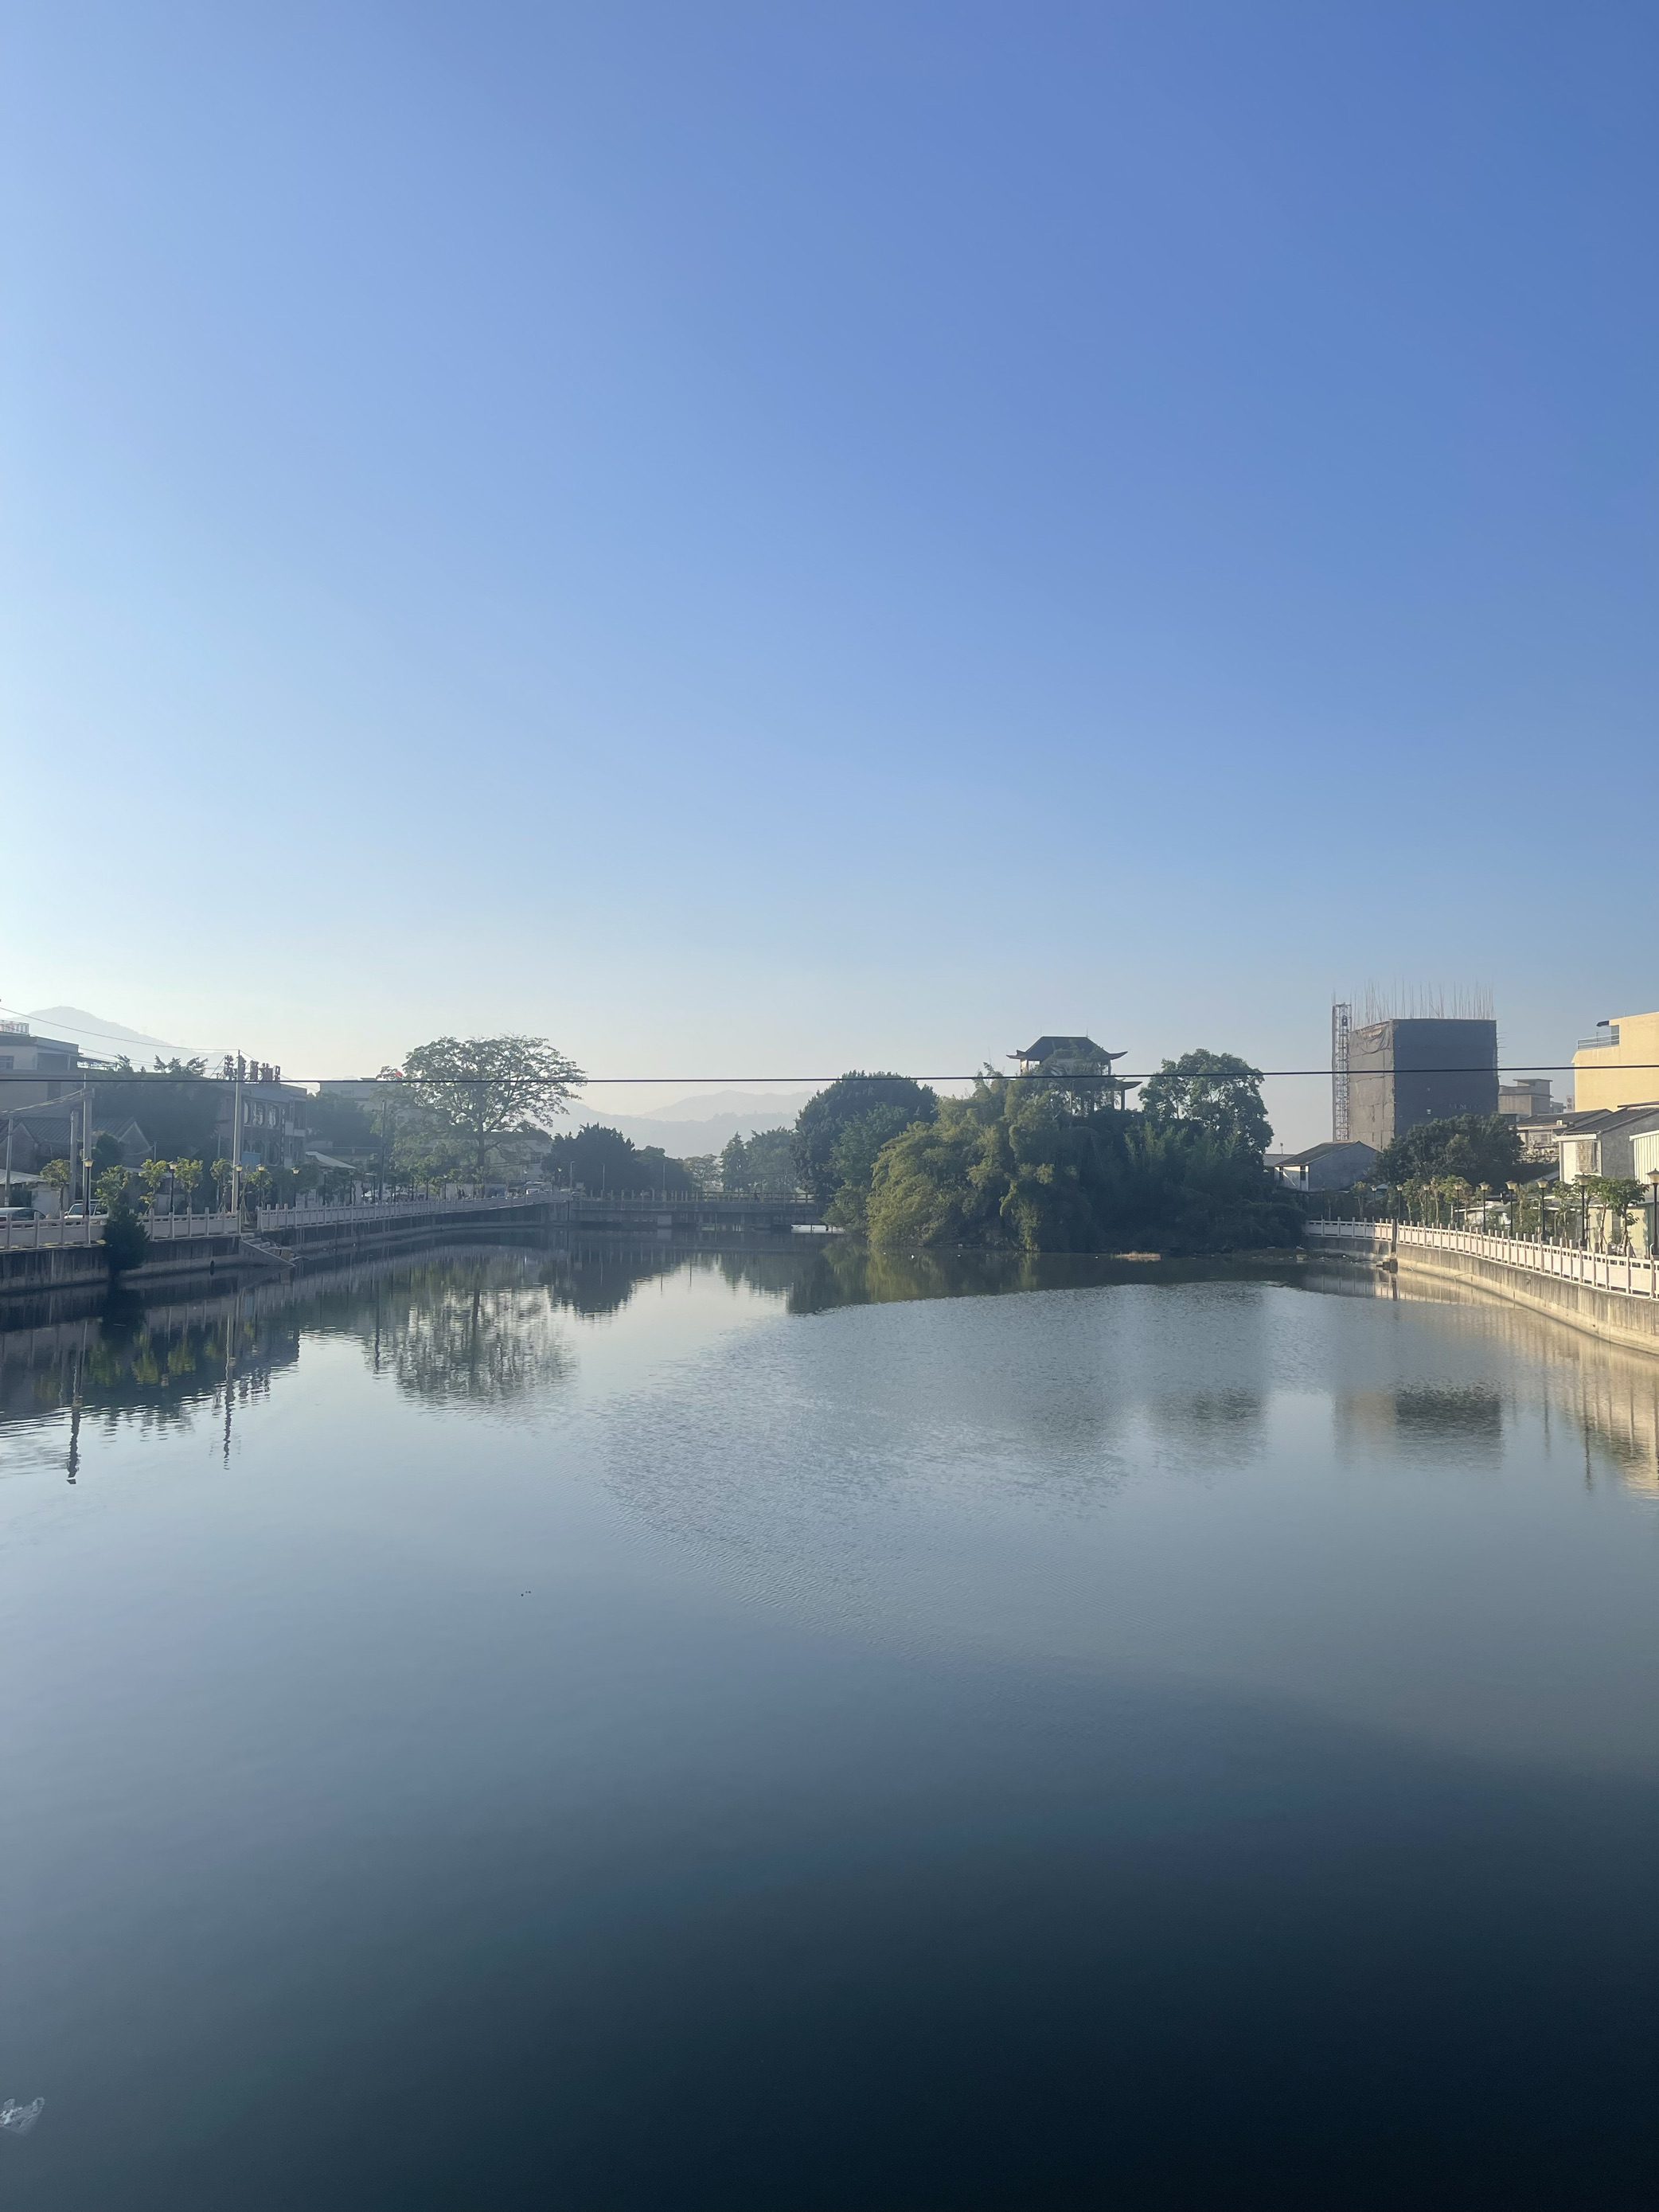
[750,543]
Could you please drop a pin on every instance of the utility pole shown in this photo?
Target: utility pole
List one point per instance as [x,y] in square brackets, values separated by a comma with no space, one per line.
[236,1138]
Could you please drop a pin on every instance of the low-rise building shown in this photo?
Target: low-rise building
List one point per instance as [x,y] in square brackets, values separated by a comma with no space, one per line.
[1604,1143]
[52,1132]
[1526,1098]
[1331,1166]
[273,1117]
[34,1070]
[1619,1066]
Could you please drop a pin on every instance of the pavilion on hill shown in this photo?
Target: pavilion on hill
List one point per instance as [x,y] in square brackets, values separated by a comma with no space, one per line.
[1062,1056]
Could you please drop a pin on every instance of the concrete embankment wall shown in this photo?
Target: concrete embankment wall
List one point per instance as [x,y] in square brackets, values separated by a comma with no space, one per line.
[56,1267]
[1611,1316]
[86,1267]
[340,1240]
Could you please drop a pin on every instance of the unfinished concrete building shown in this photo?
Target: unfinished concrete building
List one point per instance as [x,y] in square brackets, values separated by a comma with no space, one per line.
[1404,1072]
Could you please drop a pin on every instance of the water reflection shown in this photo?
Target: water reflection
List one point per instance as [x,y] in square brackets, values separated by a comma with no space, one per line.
[155,1368]
[477,1332]
[839,1273]
[487,1327]
[1588,1393]
[1003,1674]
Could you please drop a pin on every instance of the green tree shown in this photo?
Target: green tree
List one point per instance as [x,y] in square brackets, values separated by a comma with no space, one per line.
[153,1174]
[1478,1147]
[1214,1091]
[58,1174]
[174,1103]
[734,1166]
[484,1089]
[221,1171]
[109,1193]
[186,1181]
[821,1121]
[764,1166]
[105,1152]
[853,1161]
[601,1159]
[125,1237]
[1614,1195]
[342,1124]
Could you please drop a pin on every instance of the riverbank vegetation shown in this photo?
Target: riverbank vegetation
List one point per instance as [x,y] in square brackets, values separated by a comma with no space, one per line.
[1475,1148]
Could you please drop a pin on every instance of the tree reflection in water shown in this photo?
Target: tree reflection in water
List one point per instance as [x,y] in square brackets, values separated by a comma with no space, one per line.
[472,1333]
[481,1327]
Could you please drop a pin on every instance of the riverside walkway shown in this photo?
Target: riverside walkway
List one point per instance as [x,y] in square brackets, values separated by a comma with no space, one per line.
[1626,1272]
[1611,1294]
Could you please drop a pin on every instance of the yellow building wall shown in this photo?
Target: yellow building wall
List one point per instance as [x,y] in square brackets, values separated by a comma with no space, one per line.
[1612,1075]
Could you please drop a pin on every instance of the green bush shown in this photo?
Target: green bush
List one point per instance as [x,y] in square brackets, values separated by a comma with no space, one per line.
[126,1240]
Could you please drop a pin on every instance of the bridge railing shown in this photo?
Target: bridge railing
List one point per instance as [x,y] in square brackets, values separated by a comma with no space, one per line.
[1635,1277]
[275,1219]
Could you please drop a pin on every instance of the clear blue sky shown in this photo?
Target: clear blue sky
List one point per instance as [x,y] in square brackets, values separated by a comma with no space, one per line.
[753,538]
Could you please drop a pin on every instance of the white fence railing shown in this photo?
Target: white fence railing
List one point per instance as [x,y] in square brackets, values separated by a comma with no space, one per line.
[50,1232]
[1604,1271]
[166,1227]
[277,1220]
[54,1231]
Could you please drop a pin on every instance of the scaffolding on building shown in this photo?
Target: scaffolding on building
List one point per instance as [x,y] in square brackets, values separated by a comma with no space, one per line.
[1341,1020]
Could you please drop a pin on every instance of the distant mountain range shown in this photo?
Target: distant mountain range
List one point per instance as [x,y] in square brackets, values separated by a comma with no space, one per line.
[686,1128]
[104,1040]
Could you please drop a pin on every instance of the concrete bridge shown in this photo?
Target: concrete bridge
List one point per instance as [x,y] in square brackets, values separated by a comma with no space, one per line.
[682,1216]
[635,1212]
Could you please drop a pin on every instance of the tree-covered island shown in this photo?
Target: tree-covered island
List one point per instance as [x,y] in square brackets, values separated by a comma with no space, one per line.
[1052,1160]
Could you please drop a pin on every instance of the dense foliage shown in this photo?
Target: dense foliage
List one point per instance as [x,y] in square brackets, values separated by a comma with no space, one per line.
[126,1240]
[174,1106]
[599,1159]
[866,1110]
[1017,1164]
[760,1166]
[1477,1148]
[1214,1091]
[341,1125]
[479,1091]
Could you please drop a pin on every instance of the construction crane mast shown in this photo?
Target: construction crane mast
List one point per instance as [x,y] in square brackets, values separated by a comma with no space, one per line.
[1341,1017]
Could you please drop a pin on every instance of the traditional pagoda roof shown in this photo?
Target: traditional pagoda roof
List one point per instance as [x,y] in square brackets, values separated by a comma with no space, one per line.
[1070,1048]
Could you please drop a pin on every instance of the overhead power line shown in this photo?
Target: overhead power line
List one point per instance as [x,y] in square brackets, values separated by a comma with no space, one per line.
[874,1075]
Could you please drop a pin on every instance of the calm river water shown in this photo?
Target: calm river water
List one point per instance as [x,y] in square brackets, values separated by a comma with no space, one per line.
[627,1731]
